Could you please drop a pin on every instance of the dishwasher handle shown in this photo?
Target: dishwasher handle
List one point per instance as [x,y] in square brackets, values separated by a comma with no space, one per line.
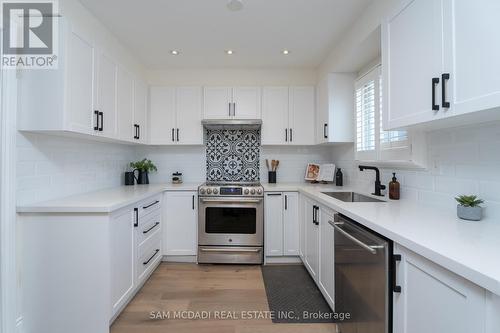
[370,248]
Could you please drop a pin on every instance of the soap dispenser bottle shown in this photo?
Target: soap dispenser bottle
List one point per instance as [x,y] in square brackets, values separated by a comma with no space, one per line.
[394,188]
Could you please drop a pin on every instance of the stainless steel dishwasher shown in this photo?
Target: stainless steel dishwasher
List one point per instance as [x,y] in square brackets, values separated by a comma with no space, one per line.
[362,277]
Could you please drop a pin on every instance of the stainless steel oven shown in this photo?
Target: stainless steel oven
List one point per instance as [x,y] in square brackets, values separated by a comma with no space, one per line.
[230,225]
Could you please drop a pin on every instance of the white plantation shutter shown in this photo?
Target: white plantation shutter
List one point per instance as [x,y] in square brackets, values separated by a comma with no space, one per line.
[372,142]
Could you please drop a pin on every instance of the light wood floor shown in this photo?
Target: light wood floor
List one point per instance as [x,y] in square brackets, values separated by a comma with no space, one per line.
[212,288]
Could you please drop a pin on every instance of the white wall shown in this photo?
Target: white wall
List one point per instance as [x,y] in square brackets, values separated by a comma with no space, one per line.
[463,160]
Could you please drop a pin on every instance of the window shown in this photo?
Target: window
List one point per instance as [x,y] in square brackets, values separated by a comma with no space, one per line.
[372,142]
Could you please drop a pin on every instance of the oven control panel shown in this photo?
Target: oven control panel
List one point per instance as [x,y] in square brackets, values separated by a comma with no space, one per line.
[212,190]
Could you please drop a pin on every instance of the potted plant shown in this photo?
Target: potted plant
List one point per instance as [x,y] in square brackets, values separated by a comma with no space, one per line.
[468,207]
[143,167]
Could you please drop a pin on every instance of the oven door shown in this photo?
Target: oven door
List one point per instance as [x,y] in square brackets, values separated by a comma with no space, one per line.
[230,221]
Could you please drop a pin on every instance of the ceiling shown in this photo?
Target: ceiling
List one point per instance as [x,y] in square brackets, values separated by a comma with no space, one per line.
[203,29]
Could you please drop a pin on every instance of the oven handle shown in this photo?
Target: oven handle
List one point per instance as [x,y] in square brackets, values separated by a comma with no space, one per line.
[238,200]
[230,250]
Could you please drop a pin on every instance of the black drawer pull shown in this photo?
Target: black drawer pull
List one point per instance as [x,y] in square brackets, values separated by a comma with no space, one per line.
[435,82]
[395,259]
[445,77]
[269,194]
[136,212]
[96,127]
[154,226]
[101,126]
[151,258]
[325,131]
[152,204]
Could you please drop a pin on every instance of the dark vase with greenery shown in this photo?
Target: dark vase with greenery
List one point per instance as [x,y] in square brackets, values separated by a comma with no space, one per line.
[143,167]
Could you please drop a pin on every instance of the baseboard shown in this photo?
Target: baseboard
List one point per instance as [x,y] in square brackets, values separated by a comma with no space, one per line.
[180,258]
[282,260]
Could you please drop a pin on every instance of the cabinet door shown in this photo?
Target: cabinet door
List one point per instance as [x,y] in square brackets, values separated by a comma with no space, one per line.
[162,122]
[247,102]
[122,257]
[312,243]
[473,50]
[326,255]
[140,108]
[301,116]
[181,227]
[412,55]
[291,232]
[125,104]
[322,111]
[216,102]
[106,94]
[273,220]
[274,115]
[433,299]
[190,131]
[79,115]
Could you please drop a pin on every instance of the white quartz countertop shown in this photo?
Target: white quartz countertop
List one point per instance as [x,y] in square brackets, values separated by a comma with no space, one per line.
[470,249]
[104,201]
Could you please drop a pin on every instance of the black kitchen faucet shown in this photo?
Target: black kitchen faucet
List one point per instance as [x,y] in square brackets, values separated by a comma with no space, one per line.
[378,186]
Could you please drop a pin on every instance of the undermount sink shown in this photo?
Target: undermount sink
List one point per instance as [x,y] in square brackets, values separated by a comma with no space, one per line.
[352,197]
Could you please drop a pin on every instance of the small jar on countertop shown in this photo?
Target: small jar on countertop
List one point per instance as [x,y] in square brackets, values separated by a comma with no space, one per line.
[394,188]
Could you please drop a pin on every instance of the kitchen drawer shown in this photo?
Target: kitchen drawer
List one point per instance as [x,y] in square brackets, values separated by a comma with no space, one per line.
[148,226]
[149,205]
[149,255]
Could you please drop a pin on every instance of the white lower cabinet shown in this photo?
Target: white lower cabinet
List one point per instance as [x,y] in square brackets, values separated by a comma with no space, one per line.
[435,300]
[311,255]
[181,223]
[281,220]
[326,251]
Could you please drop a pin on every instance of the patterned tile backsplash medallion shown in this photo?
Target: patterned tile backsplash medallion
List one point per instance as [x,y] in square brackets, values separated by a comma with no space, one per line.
[232,155]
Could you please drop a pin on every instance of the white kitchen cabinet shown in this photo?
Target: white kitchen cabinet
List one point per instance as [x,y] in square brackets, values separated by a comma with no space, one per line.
[327,265]
[123,258]
[335,108]
[125,105]
[312,239]
[180,236]
[304,218]
[140,110]
[175,115]
[106,97]
[438,58]
[288,115]
[232,103]
[281,220]
[433,299]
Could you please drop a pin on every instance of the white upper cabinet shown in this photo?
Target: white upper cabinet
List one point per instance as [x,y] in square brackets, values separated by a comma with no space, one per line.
[472,49]
[274,115]
[246,102]
[301,115]
[140,111]
[439,60]
[80,84]
[125,105]
[232,103]
[288,115]
[335,108]
[175,115]
[105,116]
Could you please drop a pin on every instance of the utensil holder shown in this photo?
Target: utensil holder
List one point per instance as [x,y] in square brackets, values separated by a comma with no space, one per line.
[271,178]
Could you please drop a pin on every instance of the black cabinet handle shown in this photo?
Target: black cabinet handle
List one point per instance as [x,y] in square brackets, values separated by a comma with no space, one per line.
[286,202]
[314,214]
[173,135]
[138,132]
[96,127]
[272,194]
[229,109]
[151,258]
[325,131]
[286,134]
[177,135]
[445,77]
[154,226]
[435,81]
[395,259]
[136,222]
[317,215]
[151,204]
[193,202]
[291,135]
[101,127]
[136,136]
[234,109]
